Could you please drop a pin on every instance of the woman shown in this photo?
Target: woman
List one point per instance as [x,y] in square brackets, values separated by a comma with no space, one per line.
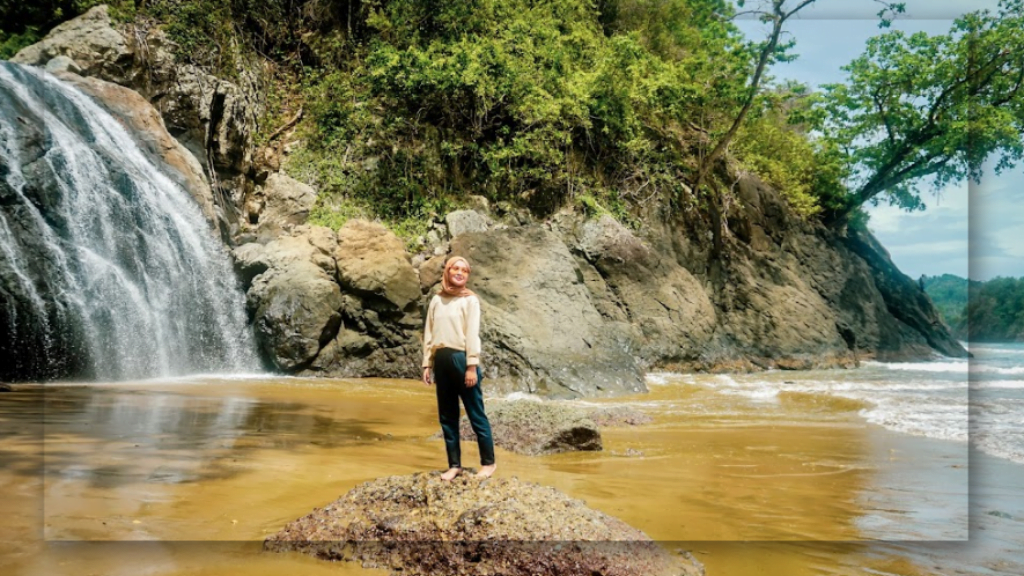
[451,346]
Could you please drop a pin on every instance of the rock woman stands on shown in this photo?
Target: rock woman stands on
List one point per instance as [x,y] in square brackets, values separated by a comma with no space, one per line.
[451,346]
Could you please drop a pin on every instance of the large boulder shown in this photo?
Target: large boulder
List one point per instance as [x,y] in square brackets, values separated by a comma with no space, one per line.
[540,328]
[537,427]
[372,262]
[90,40]
[342,304]
[463,221]
[420,525]
[280,203]
[292,296]
[295,312]
[381,317]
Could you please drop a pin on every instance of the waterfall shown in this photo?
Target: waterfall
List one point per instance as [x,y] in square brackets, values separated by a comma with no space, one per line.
[108,269]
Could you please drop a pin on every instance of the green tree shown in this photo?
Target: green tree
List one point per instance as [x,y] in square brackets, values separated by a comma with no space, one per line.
[949,294]
[995,311]
[918,106]
[745,98]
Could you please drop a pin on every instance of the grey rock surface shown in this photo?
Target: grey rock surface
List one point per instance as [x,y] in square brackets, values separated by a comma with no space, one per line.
[540,328]
[90,41]
[464,221]
[380,311]
[292,295]
[372,261]
[295,312]
[284,201]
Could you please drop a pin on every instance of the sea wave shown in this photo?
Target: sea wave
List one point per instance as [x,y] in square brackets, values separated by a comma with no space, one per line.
[955,367]
[1000,446]
[928,399]
[985,369]
[997,385]
[757,394]
[952,366]
[920,419]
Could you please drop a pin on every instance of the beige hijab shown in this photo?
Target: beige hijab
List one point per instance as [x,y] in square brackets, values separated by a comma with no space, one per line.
[446,287]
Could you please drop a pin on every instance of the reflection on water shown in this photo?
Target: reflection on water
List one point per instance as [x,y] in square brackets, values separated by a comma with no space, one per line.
[117,436]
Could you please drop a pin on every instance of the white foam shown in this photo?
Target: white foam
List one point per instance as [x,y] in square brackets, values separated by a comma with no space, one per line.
[985,369]
[663,378]
[955,366]
[194,379]
[918,420]
[997,385]
[756,394]
[1000,446]
[977,366]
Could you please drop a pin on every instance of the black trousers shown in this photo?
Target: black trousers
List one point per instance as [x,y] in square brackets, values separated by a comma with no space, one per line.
[450,383]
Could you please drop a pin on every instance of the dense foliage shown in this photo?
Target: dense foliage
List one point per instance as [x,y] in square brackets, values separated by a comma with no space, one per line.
[995,311]
[530,103]
[410,106]
[949,294]
[991,311]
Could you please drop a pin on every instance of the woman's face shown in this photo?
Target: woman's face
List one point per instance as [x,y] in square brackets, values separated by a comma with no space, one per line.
[458,274]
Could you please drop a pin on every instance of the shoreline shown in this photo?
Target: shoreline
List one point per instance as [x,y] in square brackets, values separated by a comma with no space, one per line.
[802,480]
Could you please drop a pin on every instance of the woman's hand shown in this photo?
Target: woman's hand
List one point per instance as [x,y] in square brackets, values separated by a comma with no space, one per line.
[426,376]
[470,376]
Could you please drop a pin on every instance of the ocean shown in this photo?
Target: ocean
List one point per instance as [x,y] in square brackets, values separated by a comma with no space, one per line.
[978,401]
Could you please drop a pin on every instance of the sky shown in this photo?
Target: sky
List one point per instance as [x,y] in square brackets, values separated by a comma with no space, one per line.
[970,229]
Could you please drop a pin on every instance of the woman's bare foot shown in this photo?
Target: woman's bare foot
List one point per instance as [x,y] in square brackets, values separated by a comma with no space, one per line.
[486,471]
[451,474]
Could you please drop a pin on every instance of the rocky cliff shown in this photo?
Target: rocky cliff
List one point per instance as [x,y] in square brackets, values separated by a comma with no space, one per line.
[572,305]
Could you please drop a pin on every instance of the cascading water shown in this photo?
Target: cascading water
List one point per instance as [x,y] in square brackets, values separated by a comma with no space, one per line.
[108,269]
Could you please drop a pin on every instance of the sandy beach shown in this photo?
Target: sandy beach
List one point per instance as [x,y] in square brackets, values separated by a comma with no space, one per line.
[188,477]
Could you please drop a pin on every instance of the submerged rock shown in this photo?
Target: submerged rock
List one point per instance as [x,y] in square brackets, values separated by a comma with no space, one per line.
[532,428]
[613,416]
[422,525]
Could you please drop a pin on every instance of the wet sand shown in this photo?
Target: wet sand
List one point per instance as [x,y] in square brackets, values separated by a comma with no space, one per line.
[204,470]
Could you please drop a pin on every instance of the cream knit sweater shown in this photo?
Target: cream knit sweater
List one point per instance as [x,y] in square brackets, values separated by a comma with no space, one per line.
[452,323]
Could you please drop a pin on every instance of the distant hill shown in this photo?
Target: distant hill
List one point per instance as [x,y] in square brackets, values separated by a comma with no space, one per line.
[949,293]
[991,311]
